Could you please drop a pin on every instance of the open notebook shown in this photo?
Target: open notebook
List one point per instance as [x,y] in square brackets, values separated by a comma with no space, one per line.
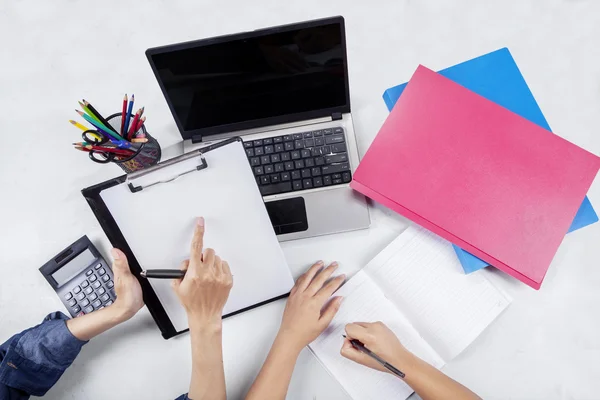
[417,287]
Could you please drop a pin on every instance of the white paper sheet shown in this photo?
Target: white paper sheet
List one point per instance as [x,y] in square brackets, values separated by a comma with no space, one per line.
[158,224]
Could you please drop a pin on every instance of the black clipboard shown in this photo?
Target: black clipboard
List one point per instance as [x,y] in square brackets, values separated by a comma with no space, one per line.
[116,238]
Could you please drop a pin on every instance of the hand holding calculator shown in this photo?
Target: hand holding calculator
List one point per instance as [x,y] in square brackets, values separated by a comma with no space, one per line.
[81,278]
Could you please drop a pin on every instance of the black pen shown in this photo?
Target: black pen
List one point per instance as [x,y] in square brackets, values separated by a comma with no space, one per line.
[163,274]
[361,347]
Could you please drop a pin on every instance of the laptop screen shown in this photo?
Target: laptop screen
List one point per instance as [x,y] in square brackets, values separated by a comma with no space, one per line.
[259,78]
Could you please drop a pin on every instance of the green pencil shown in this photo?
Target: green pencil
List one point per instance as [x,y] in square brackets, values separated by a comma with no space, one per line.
[99,125]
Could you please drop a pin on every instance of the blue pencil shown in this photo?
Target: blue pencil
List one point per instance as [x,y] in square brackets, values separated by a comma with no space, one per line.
[128,117]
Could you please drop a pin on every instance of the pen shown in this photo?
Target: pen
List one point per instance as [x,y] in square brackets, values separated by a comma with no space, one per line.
[361,347]
[162,274]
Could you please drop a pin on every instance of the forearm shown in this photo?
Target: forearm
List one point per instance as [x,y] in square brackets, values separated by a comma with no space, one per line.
[208,376]
[274,378]
[91,325]
[432,384]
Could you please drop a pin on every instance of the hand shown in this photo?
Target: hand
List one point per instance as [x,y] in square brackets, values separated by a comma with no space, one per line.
[308,312]
[128,289]
[380,340]
[205,288]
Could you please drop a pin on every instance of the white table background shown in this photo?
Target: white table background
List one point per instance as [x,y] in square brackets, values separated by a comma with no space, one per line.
[52,53]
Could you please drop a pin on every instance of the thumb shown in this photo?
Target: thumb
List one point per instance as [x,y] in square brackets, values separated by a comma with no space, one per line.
[120,264]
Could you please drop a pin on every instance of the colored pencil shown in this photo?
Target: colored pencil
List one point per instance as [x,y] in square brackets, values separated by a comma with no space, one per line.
[106,149]
[100,126]
[84,128]
[139,127]
[123,114]
[134,124]
[139,140]
[88,111]
[128,116]
[99,116]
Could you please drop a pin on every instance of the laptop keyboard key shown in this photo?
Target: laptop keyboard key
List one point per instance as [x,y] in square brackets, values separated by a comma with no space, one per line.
[250,152]
[268,141]
[264,180]
[254,161]
[287,138]
[297,185]
[275,158]
[282,187]
[285,156]
[296,175]
[269,169]
[270,150]
[316,171]
[259,151]
[327,149]
[308,135]
[327,180]
[275,178]
[317,182]
[346,177]
[309,142]
[315,151]
[297,136]
[319,161]
[305,153]
[298,144]
[289,165]
[307,183]
[258,142]
[343,157]
[309,163]
[338,130]
[299,164]
[327,132]
[265,160]
[319,141]
[278,139]
[317,133]
[278,148]
[258,171]
[335,139]
[288,146]
[285,176]
[305,173]
[279,167]
[338,148]
[295,155]
[335,168]
[247,145]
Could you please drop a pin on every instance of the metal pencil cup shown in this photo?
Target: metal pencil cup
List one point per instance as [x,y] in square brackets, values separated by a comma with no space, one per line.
[146,155]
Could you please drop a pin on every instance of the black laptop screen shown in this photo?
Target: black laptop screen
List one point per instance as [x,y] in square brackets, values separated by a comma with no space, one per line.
[278,74]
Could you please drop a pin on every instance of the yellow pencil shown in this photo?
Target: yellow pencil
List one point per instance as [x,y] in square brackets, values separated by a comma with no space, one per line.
[83,128]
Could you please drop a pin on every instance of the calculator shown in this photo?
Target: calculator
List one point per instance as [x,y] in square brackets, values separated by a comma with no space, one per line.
[81,278]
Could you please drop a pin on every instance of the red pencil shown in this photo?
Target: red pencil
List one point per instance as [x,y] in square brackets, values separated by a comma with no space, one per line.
[140,124]
[134,123]
[105,149]
[123,115]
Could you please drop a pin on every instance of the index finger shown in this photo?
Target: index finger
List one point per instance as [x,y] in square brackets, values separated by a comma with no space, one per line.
[198,240]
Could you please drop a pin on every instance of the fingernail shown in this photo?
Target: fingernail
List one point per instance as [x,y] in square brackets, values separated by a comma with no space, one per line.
[320,262]
[201,222]
[116,254]
[334,264]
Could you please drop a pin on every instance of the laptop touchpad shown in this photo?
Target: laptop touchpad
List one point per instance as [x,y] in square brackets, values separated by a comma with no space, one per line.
[288,216]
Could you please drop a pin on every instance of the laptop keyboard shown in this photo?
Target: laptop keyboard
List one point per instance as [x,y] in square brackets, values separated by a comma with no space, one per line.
[299,161]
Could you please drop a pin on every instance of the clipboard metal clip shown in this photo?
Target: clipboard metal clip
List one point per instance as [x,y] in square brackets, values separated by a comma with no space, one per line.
[131,178]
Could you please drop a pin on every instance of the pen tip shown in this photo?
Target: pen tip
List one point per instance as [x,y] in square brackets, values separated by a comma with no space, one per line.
[344,336]
[143,274]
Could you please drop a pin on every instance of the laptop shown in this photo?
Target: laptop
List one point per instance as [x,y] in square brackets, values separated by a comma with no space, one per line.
[285,92]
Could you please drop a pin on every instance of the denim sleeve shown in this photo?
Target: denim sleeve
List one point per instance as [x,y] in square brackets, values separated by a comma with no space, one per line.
[183,397]
[33,360]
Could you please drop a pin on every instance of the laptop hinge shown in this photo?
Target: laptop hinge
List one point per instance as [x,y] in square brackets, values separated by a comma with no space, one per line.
[196,139]
[336,116]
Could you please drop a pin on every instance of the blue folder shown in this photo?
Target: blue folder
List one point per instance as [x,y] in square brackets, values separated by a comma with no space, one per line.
[496,77]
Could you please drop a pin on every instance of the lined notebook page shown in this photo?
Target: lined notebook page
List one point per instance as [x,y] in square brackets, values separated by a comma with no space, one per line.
[365,302]
[420,274]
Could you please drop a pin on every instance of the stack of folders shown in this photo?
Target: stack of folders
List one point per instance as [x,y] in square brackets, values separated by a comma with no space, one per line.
[497,77]
[477,174]
[416,286]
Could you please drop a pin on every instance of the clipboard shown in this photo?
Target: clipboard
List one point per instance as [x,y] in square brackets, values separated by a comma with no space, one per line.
[178,177]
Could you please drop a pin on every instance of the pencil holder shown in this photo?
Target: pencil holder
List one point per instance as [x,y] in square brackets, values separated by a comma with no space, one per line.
[147,155]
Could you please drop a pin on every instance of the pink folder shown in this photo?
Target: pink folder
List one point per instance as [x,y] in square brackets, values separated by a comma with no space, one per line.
[477,174]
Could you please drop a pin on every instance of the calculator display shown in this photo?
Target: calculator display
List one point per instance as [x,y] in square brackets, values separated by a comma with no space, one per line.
[73,267]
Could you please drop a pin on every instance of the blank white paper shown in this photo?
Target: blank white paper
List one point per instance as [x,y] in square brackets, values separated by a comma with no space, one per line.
[158,224]
[420,273]
[365,302]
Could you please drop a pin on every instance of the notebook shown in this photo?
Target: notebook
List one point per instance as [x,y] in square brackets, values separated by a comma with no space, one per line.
[417,288]
[157,224]
[496,77]
[477,174]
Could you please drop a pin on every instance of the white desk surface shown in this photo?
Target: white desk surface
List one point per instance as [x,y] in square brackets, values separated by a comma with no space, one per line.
[546,345]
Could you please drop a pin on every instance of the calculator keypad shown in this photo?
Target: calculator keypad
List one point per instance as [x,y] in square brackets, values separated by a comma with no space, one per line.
[94,292]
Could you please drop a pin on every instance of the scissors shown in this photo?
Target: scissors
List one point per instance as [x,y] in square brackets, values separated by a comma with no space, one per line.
[103,157]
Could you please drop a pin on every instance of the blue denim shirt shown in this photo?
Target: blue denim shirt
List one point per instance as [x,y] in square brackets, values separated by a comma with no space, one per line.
[32,361]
